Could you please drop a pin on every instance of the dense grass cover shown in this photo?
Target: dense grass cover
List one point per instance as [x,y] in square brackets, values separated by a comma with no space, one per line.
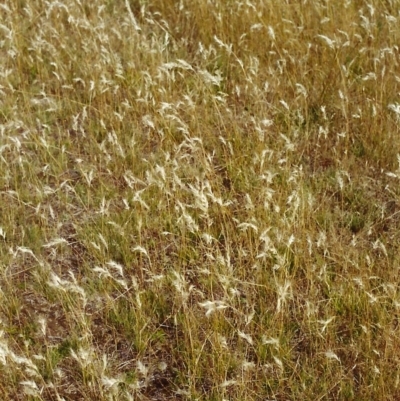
[199,200]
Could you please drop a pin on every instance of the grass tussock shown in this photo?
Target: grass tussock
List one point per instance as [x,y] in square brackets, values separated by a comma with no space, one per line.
[199,200]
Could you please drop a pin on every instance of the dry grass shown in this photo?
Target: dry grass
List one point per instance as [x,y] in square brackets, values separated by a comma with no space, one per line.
[199,200]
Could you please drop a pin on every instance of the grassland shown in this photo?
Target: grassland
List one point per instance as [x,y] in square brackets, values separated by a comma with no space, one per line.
[199,200]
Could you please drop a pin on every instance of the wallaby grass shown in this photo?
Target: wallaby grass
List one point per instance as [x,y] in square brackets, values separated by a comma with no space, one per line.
[199,200]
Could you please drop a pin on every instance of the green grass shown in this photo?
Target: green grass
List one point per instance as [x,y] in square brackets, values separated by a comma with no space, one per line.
[199,200]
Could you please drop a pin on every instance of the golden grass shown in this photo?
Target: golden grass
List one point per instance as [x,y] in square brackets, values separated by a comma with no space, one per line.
[199,200]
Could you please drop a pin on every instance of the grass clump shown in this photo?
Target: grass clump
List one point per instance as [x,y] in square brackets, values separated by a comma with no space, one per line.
[199,200]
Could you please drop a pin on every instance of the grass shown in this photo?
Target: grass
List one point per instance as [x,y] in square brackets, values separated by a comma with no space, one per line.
[199,200]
